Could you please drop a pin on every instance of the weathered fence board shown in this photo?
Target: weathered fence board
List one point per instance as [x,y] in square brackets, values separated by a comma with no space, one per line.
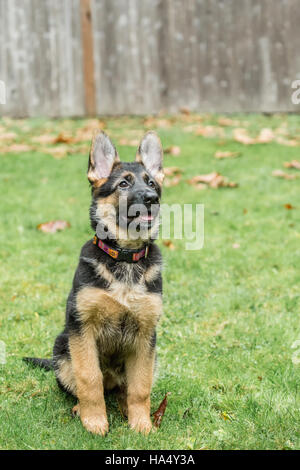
[142,56]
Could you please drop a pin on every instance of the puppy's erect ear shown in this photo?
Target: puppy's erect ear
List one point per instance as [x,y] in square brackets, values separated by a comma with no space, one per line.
[103,155]
[150,153]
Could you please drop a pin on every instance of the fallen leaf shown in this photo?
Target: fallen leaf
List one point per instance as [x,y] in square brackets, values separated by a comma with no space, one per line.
[169,244]
[86,133]
[282,129]
[282,174]
[173,176]
[227,122]
[58,152]
[241,135]
[287,142]
[210,131]
[17,148]
[64,138]
[79,149]
[173,150]
[293,164]
[159,413]
[201,186]
[53,226]
[289,206]
[154,122]
[129,143]
[44,139]
[227,154]
[265,136]
[213,180]
[7,135]
[170,182]
[172,170]
[190,128]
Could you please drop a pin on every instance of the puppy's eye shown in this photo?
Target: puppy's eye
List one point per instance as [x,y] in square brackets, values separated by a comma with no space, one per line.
[151,184]
[123,184]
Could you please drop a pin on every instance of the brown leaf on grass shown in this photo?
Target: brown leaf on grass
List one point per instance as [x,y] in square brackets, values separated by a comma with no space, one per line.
[293,164]
[79,149]
[86,133]
[53,226]
[7,135]
[174,150]
[157,122]
[172,170]
[17,148]
[169,244]
[191,127]
[227,122]
[265,136]
[288,142]
[159,413]
[170,182]
[44,139]
[58,152]
[173,176]
[289,206]
[210,131]
[63,138]
[213,180]
[227,154]
[283,174]
[129,142]
[241,135]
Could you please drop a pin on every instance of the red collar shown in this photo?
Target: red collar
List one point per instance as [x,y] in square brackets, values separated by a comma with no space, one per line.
[122,254]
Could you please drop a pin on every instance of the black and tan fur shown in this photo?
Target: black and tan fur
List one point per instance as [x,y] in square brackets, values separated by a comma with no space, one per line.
[113,308]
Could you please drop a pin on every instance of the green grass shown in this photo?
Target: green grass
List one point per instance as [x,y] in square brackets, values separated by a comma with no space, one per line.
[233,389]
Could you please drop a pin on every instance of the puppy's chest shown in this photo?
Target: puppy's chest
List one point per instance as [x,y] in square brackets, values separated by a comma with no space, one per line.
[126,284]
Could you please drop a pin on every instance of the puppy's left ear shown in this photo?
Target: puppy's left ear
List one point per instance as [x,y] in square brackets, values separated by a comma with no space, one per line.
[150,154]
[103,156]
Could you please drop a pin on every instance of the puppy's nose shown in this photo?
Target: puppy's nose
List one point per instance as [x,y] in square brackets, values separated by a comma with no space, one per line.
[150,198]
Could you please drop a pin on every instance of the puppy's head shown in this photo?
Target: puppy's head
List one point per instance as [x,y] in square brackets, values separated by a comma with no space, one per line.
[126,196]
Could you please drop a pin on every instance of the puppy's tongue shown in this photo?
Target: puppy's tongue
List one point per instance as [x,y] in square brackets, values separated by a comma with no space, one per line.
[146,218]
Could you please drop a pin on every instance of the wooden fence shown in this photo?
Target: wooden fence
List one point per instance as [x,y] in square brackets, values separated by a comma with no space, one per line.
[85,57]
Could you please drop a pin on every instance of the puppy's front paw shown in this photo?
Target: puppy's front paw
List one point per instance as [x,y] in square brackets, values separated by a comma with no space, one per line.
[141,424]
[94,423]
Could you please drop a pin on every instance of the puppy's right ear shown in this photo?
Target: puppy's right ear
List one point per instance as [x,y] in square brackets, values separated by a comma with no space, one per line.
[103,155]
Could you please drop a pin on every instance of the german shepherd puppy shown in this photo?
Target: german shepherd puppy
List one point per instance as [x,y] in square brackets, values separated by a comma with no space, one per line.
[116,298]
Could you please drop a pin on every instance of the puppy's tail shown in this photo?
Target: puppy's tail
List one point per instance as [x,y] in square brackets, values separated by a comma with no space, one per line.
[46,364]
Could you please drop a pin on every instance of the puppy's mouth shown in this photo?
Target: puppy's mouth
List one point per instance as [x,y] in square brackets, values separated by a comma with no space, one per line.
[142,220]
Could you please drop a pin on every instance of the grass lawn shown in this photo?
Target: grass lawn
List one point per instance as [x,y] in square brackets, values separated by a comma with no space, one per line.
[231,310]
